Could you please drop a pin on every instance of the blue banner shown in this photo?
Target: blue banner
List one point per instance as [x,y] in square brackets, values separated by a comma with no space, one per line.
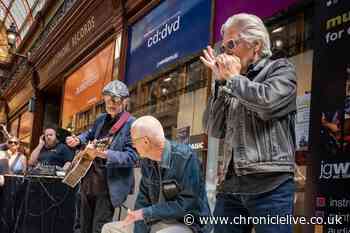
[172,30]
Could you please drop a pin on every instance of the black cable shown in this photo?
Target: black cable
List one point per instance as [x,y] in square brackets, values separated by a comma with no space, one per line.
[23,204]
[3,220]
[47,192]
[26,200]
[123,206]
[120,213]
[52,206]
[55,204]
[120,210]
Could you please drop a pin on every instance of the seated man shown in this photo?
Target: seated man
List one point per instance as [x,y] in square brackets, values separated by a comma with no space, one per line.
[50,151]
[172,185]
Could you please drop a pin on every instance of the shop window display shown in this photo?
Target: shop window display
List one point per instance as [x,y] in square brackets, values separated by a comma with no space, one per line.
[176,98]
[161,96]
[292,38]
[292,35]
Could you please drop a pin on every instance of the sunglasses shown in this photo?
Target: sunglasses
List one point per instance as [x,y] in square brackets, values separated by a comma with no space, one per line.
[229,46]
[13,142]
[113,99]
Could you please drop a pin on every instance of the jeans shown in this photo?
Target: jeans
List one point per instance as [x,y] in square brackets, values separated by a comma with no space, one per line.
[278,202]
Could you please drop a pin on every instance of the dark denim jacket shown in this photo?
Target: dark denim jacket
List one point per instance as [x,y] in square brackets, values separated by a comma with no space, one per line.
[121,158]
[255,115]
[182,165]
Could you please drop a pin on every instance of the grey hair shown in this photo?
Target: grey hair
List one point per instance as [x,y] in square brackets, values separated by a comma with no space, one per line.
[251,29]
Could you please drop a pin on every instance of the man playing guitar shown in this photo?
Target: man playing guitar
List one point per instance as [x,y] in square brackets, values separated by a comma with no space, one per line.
[110,179]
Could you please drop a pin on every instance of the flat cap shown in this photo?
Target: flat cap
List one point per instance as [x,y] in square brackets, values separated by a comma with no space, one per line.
[116,88]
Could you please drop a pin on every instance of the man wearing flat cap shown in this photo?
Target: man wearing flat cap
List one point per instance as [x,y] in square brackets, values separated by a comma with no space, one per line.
[110,179]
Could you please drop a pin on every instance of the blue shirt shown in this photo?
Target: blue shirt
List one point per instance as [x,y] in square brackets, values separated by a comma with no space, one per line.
[17,167]
[56,156]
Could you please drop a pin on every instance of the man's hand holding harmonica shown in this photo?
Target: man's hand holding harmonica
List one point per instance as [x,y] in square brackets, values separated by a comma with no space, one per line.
[224,66]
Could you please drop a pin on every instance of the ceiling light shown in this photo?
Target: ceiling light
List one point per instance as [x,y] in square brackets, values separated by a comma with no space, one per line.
[279,43]
[277,30]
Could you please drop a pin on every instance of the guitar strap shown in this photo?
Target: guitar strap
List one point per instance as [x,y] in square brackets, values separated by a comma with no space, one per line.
[119,124]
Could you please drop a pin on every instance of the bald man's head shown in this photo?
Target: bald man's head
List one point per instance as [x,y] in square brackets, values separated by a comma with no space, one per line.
[150,127]
[147,135]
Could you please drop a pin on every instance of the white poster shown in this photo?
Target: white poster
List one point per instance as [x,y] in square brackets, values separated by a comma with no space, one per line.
[302,122]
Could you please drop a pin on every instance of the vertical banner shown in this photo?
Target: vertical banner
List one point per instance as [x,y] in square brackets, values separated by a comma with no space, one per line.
[329,190]
[83,88]
[302,122]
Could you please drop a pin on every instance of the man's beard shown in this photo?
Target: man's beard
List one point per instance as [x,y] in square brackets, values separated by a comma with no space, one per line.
[51,143]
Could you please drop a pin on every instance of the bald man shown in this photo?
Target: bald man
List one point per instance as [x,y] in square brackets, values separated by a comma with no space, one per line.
[172,185]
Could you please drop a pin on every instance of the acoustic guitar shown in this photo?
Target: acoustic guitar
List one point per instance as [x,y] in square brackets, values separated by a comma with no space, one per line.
[82,163]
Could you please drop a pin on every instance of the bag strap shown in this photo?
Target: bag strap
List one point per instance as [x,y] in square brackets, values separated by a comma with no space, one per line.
[120,123]
[18,156]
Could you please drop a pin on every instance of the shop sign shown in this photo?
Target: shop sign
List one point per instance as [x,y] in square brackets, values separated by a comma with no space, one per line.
[76,39]
[199,142]
[171,31]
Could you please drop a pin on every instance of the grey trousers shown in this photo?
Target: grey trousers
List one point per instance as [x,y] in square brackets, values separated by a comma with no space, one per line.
[161,227]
